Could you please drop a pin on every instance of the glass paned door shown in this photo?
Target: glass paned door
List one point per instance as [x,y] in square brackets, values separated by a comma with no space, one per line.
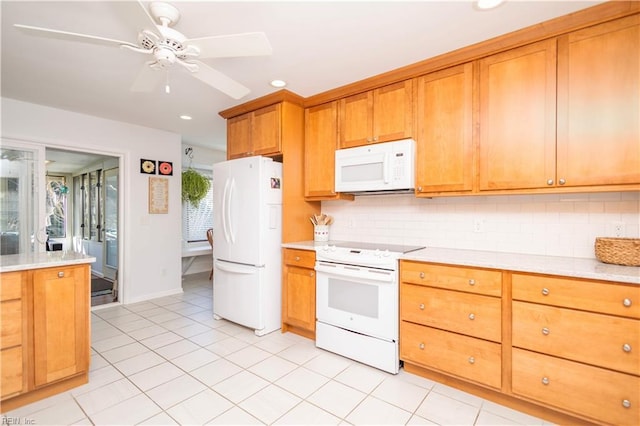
[110,227]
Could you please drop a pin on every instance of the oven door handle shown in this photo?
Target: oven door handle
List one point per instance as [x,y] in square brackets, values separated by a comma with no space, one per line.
[355,272]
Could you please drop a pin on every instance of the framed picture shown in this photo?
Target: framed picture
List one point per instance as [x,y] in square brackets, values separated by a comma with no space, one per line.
[165,168]
[158,195]
[148,167]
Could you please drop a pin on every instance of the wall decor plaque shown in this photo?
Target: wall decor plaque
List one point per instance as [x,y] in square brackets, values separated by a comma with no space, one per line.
[158,195]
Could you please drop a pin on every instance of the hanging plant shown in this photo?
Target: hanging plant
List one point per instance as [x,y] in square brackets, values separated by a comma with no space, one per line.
[195,186]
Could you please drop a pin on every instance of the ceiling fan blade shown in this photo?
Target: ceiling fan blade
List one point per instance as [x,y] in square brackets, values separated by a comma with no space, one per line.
[138,16]
[66,35]
[234,45]
[148,79]
[219,81]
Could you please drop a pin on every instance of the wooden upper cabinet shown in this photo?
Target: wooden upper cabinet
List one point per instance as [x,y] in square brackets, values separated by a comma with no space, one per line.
[254,133]
[321,137]
[517,118]
[599,104]
[379,115]
[444,152]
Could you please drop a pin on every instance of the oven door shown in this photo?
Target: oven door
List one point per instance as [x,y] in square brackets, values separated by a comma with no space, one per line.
[356,298]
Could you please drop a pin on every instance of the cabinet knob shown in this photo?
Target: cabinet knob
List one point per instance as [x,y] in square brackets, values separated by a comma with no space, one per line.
[472,317]
[626,303]
[626,403]
[545,331]
[369,140]
[419,189]
[297,258]
[421,306]
[562,181]
[61,274]
[472,282]
[545,381]
[550,182]
[472,360]
[421,346]
[626,347]
[421,275]
[545,291]
[311,274]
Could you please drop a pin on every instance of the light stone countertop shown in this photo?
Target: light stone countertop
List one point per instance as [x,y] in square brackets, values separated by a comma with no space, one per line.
[49,259]
[551,265]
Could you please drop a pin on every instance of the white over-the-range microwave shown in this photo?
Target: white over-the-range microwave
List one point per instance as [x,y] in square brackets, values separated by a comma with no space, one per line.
[376,169]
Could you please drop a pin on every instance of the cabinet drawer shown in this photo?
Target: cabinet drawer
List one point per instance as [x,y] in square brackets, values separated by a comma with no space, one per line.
[615,299]
[470,314]
[470,280]
[11,370]
[10,286]
[303,258]
[11,325]
[589,391]
[596,339]
[463,356]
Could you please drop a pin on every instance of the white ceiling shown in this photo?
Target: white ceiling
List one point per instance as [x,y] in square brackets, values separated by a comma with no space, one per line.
[317,46]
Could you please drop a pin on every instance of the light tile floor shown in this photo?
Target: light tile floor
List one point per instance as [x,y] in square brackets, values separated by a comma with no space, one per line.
[167,361]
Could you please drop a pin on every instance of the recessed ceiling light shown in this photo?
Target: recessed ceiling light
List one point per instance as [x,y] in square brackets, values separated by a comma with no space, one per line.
[488,4]
[278,83]
[186,117]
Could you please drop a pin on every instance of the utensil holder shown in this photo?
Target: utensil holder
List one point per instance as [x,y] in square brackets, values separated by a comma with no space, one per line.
[321,233]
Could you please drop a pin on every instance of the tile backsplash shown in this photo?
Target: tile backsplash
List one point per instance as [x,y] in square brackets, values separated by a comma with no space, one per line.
[554,225]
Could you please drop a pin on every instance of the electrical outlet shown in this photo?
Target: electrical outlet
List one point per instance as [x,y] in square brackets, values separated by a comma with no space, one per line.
[618,229]
[478,225]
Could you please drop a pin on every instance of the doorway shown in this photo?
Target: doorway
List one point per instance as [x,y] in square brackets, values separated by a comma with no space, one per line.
[82,213]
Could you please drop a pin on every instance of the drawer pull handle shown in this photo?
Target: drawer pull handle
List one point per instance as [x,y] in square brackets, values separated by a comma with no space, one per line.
[545,381]
[472,282]
[421,306]
[421,275]
[472,317]
[545,331]
[626,403]
[626,303]
[61,274]
[421,346]
[626,347]
[545,291]
[297,258]
[472,360]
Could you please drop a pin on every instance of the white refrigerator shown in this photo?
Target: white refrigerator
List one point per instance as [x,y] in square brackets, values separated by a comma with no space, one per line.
[247,235]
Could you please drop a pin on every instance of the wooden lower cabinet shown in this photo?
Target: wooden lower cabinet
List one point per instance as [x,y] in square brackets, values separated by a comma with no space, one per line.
[299,292]
[603,395]
[462,356]
[45,332]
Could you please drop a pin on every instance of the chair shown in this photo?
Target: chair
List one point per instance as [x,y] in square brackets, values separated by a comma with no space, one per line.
[210,239]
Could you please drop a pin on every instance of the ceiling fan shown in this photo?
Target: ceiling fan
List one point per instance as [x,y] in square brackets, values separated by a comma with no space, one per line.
[168,47]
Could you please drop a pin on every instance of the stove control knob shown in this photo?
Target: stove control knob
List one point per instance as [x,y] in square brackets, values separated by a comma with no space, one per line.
[377,253]
[332,248]
[386,253]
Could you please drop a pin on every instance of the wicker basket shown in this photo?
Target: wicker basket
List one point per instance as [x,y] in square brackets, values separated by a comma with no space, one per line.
[619,251]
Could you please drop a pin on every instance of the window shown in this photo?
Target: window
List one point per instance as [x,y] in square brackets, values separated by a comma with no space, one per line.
[57,206]
[89,206]
[196,220]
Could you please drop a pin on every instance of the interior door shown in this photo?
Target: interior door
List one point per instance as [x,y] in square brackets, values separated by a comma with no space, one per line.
[110,224]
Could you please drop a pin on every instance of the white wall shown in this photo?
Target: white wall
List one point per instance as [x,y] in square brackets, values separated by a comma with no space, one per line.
[555,225]
[151,243]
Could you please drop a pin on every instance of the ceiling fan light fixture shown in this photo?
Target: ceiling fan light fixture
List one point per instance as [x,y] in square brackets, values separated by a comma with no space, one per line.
[278,83]
[186,117]
[488,4]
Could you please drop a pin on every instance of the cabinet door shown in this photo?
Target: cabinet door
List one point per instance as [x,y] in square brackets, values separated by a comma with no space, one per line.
[265,131]
[13,332]
[393,112]
[61,318]
[517,118]
[320,140]
[356,120]
[300,297]
[599,104]
[239,136]
[444,152]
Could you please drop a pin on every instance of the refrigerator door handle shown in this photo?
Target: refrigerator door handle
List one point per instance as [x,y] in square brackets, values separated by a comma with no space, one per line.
[224,210]
[229,224]
[236,269]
